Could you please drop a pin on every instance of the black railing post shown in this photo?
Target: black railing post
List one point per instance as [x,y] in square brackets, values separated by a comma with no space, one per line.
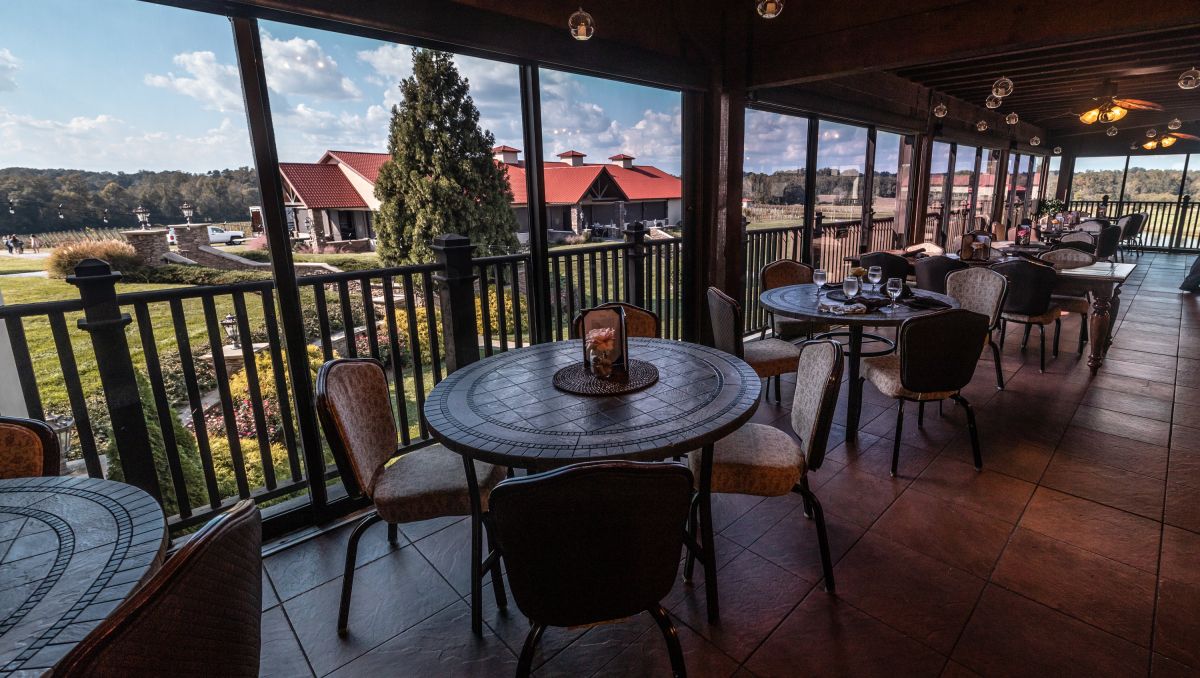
[106,323]
[808,237]
[635,264]
[1180,221]
[456,297]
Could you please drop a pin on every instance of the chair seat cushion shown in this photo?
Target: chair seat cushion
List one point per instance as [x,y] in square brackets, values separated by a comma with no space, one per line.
[1053,313]
[790,328]
[884,373]
[1072,304]
[756,459]
[770,357]
[429,483]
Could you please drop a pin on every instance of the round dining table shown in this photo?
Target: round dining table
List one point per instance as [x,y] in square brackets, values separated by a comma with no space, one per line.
[505,410]
[71,550]
[803,302]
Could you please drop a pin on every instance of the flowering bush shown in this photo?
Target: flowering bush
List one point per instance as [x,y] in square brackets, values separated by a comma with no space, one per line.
[119,254]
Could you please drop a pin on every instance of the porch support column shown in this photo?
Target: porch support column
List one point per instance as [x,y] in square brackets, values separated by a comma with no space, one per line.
[922,157]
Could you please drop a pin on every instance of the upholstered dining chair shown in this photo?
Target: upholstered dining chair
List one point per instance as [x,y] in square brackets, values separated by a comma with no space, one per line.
[770,358]
[1064,258]
[936,357]
[593,542]
[639,322]
[932,272]
[198,615]
[355,409]
[1029,303]
[1131,232]
[781,273]
[764,461]
[1093,226]
[28,447]
[981,290]
[893,265]
[1080,240]
[1107,243]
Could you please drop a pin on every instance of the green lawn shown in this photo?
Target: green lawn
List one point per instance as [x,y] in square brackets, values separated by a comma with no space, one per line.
[17,264]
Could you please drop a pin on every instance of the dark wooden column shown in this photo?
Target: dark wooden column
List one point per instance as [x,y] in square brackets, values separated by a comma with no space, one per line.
[1066,169]
[922,158]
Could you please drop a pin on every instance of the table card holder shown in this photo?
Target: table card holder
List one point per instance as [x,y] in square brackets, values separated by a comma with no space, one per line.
[976,247]
[605,343]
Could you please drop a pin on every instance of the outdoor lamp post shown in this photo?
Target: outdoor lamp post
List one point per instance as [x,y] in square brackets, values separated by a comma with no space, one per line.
[231,329]
[143,217]
[188,210]
[62,426]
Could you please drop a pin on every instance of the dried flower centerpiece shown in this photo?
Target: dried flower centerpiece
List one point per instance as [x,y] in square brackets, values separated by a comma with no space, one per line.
[599,346]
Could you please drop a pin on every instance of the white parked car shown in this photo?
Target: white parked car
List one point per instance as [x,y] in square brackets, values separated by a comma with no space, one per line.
[216,236]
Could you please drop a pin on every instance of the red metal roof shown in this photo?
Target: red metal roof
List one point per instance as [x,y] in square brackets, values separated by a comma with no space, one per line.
[571,154]
[321,186]
[505,149]
[365,164]
[621,156]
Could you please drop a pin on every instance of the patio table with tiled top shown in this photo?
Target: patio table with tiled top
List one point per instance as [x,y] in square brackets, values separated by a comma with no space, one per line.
[505,410]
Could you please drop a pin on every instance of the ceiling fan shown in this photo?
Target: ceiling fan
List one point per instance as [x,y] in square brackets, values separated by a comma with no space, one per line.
[1112,108]
[1168,140]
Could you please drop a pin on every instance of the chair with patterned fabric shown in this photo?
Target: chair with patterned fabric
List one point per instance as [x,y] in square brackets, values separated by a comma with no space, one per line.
[639,322]
[981,290]
[28,448]
[198,615]
[780,274]
[935,358]
[355,408]
[769,357]
[764,461]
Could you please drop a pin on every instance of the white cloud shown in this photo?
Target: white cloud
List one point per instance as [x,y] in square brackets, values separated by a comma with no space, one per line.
[9,65]
[299,66]
[214,84]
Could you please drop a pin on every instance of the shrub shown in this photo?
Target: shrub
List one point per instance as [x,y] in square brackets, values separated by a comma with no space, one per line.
[120,255]
[243,405]
[178,274]
[223,466]
[173,378]
[494,315]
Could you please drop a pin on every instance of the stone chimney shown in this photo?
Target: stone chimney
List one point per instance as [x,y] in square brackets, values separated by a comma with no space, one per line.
[622,160]
[572,158]
[506,155]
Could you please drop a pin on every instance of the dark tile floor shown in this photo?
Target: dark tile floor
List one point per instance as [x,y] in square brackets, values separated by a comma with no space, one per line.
[1075,552]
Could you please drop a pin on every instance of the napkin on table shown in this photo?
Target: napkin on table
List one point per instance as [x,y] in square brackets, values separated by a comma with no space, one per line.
[841,309]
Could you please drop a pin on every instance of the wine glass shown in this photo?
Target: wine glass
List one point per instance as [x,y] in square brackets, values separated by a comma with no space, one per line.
[875,275]
[850,286]
[894,287]
[819,279]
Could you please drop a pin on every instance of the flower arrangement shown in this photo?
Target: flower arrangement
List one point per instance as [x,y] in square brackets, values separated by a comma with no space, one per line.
[599,344]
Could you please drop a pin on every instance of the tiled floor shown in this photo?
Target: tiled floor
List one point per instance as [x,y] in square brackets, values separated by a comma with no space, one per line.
[1075,552]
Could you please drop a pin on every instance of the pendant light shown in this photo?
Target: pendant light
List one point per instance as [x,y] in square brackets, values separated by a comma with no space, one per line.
[1058,150]
[1012,118]
[993,101]
[1189,79]
[981,126]
[582,26]
[1111,131]
[940,110]
[769,9]
[1175,124]
[1035,141]
[1002,87]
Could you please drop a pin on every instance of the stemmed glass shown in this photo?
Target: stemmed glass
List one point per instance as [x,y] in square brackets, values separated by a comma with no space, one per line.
[875,275]
[850,286]
[819,279]
[894,287]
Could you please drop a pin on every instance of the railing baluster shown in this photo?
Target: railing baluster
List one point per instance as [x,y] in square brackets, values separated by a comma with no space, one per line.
[166,414]
[570,297]
[389,313]
[283,394]
[199,425]
[557,302]
[250,366]
[323,320]
[349,330]
[435,353]
[368,302]
[518,330]
[231,432]
[591,259]
[414,342]
[485,308]
[79,410]
[502,318]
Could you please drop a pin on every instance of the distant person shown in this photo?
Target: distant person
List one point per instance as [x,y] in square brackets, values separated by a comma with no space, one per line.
[18,245]
[35,243]
[8,243]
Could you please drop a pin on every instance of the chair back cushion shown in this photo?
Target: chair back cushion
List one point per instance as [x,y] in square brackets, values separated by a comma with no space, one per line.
[818,378]
[1108,241]
[28,448]
[197,616]
[1029,286]
[355,407]
[939,351]
[784,272]
[980,290]
[1136,225]
[726,318]
[893,265]
[1079,236]
[639,322]
[1067,257]
[1093,226]
[932,272]
[592,542]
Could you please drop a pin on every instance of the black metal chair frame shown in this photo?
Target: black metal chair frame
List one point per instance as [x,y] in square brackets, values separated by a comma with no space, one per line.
[479,521]
[1041,334]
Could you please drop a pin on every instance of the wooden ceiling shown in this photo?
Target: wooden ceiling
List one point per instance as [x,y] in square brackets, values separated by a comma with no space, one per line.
[1054,84]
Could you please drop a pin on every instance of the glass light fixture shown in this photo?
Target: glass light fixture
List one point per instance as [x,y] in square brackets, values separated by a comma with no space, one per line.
[60,212]
[1168,141]
[1151,133]
[1035,141]
[1112,113]
[143,215]
[187,210]
[1002,87]
[1150,145]
[1058,150]
[12,206]
[1089,117]
[1189,79]
[940,110]
[769,9]
[230,325]
[993,101]
[1112,131]
[1175,124]
[104,217]
[581,24]
[1133,146]
[1012,118]
[982,125]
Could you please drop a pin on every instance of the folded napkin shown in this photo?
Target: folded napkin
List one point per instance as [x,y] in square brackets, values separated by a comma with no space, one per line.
[924,303]
[841,309]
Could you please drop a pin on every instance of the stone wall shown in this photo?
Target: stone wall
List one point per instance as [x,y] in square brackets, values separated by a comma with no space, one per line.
[189,239]
[151,245]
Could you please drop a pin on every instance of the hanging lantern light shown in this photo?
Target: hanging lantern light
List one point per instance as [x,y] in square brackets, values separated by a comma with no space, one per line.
[1189,79]
[1035,141]
[104,217]
[1058,150]
[1112,131]
[1002,87]
[1151,133]
[940,110]
[143,216]
[12,206]
[1012,118]
[581,25]
[769,9]
[993,101]
[1175,124]
[60,212]
[982,125]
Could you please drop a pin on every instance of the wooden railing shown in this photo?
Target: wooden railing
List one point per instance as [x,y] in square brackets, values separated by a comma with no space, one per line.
[1172,225]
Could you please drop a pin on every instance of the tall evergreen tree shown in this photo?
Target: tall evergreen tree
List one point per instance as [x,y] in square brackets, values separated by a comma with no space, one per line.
[441,177]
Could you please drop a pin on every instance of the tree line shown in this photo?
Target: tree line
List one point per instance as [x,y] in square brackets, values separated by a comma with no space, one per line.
[786,187]
[32,197]
[1140,184]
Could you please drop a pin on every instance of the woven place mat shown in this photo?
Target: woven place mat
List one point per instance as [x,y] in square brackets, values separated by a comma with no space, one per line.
[577,379]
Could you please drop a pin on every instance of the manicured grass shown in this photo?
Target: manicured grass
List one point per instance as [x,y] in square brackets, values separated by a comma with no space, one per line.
[17,264]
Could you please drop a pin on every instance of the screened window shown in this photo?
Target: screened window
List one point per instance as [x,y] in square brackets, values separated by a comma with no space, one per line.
[773,191]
